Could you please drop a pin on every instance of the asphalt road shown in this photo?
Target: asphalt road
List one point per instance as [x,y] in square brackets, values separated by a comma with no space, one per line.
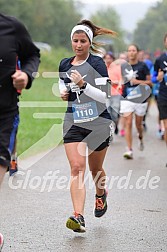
[33,216]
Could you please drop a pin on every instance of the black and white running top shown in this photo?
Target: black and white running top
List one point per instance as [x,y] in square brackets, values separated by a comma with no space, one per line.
[161,64]
[90,103]
[137,93]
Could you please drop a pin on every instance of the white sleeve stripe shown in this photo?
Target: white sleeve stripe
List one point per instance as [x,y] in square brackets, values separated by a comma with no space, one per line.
[62,85]
[95,93]
[101,81]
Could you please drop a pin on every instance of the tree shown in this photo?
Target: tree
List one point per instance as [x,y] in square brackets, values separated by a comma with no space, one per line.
[150,31]
[109,18]
[47,21]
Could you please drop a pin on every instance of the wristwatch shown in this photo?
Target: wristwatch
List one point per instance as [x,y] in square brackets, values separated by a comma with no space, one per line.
[84,86]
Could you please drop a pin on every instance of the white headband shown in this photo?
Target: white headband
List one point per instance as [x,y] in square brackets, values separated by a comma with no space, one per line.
[84,28]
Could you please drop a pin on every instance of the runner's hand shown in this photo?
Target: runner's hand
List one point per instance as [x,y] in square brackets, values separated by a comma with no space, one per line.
[64,95]
[20,80]
[76,78]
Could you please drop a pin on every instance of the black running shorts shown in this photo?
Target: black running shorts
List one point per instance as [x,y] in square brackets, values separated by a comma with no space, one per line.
[8,131]
[97,137]
[162,106]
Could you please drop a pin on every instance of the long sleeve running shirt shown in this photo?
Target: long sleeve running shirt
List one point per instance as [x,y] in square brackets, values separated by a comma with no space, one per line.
[15,43]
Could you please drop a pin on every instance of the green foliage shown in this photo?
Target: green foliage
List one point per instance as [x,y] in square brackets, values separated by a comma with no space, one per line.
[108,18]
[47,21]
[50,60]
[51,21]
[150,31]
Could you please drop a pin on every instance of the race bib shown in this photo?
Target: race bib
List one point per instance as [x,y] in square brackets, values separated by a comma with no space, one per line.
[133,93]
[84,112]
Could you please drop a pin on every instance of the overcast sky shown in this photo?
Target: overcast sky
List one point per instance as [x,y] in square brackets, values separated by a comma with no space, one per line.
[130,11]
[111,2]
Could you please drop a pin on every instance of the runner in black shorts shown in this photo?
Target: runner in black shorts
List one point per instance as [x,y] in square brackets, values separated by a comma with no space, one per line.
[83,82]
[160,74]
[15,42]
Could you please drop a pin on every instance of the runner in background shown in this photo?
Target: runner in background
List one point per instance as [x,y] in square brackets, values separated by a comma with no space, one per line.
[122,56]
[13,139]
[147,60]
[141,55]
[155,93]
[135,95]
[114,100]
[160,74]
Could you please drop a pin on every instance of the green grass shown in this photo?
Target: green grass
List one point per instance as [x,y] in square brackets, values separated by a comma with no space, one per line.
[32,130]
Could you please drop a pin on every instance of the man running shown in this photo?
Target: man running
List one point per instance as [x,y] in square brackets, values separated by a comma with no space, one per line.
[160,74]
[15,43]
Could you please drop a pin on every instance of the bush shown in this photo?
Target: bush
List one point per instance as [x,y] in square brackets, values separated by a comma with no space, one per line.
[50,60]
